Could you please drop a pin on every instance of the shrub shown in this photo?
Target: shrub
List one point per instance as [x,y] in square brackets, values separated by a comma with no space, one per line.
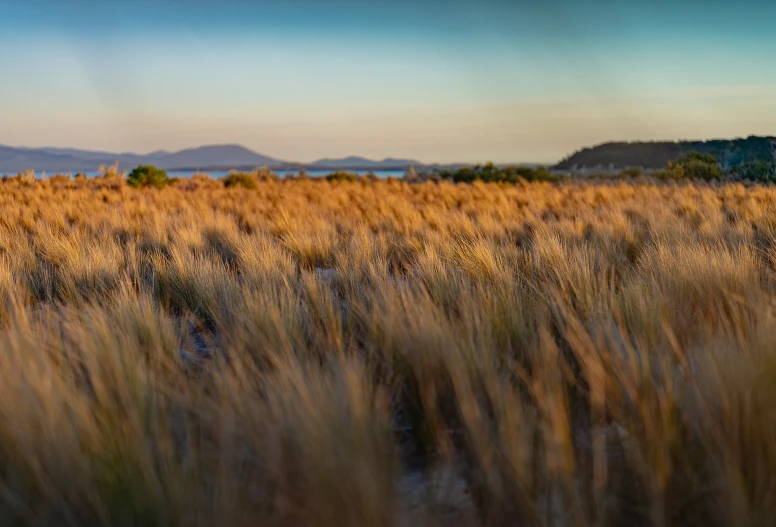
[147,176]
[631,172]
[760,170]
[341,175]
[700,166]
[491,173]
[692,165]
[672,171]
[249,179]
[699,157]
[240,179]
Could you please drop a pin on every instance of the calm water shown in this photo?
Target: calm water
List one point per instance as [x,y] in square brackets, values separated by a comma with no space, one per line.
[217,174]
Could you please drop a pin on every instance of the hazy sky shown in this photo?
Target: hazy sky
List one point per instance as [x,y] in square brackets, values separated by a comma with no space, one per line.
[455,80]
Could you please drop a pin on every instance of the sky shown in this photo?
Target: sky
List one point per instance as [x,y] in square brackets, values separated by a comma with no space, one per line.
[433,80]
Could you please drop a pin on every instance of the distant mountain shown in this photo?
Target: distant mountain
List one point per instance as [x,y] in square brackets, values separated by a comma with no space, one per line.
[210,157]
[356,162]
[17,159]
[655,155]
[223,156]
[72,152]
[14,159]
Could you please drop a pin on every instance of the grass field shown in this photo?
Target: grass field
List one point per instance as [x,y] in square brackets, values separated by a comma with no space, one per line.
[309,353]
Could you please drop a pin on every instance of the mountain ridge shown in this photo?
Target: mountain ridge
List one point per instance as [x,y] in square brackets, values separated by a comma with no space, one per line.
[15,159]
[205,157]
[656,154]
[363,162]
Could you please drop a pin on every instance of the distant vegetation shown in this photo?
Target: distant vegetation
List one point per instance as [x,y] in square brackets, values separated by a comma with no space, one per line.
[491,173]
[656,155]
[762,171]
[700,166]
[151,176]
[147,176]
[690,165]
[240,179]
[341,175]
[249,179]
[693,165]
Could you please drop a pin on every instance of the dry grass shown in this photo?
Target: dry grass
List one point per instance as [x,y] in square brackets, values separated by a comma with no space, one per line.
[315,353]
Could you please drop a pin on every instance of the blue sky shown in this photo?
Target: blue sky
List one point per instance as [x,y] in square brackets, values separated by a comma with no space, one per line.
[454,80]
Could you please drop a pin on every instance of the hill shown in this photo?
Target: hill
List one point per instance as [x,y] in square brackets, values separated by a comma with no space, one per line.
[655,155]
[14,159]
[356,162]
[212,156]
[209,157]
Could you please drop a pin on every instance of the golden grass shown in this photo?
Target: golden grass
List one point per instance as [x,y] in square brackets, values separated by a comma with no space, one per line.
[315,353]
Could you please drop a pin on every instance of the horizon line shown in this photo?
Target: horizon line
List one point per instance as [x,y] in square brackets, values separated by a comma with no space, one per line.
[398,158]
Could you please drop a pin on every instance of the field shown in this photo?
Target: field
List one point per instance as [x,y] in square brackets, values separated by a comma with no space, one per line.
[374,353]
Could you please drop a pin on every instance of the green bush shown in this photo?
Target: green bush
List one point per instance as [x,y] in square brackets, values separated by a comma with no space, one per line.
[240,179]
[760,170]
[147,176]
[700,166]
[491,173]
[341,175]
[693,165]
[630,173]
[671,171]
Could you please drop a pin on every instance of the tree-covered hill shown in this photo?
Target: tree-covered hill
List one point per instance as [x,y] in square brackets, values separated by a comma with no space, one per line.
[655,155]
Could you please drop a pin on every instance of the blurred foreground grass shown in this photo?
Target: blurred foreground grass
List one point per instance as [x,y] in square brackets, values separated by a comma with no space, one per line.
[313,353]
